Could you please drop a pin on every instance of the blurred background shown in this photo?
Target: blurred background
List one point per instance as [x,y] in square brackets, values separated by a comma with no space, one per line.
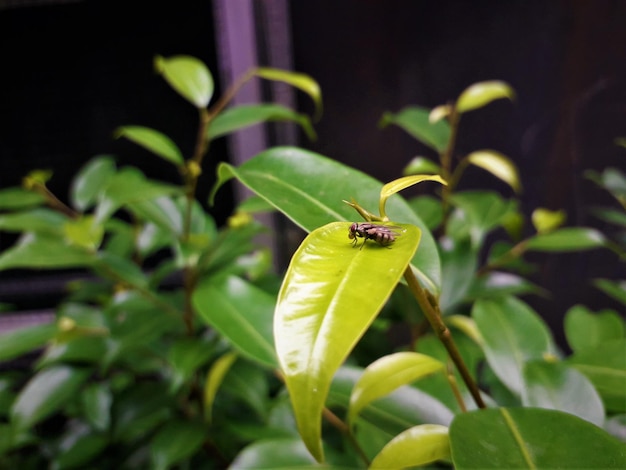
[73,71]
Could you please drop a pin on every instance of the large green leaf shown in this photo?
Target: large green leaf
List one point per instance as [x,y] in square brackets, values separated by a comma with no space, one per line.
[23,340]
[556,386]
[530,438]
[605,365]
[39,220]
[242,313]
[585,329]
[458,262]
[188,76]
[417,446]
[240,117]
[308,188]
[330,295]
[45,393]
[44,252]
[288,453]
[414,120]
[513,334]
[174,442]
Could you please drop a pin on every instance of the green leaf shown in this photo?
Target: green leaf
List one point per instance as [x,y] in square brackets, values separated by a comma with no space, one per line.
[242,313]
[531,438]
[482,93]
[185,356]
[298,80]
[387,374]
[605,366]
[498,284]
[612,180]
[45,393]
[399,184]
[153,141]
[556,386]
[421,165]
[612,288]
[38,220]
[188,76]
[482,212]
[567,239]
[44,252]
[90,180]
[15,343]
[288,453]
[176,441]
[97,400]
[417,446]
[77,449]
[498,165]
[308,188]
[513,334]
[18,198]
[429,209]
[545,220]
[330,295]
[214,380]
[458,265]
[240,117]
[414,120]
[84,232]
[585,329]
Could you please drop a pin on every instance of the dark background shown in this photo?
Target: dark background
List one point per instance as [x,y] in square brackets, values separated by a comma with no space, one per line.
[74,71]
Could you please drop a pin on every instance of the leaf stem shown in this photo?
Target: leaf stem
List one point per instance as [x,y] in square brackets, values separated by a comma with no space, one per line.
[432,314]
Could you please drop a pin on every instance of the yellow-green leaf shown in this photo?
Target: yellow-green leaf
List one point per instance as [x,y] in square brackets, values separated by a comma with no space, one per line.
[298,80]
[84,232]
[330,295]
[214,379]
[415,447]
[439,112]
[482,93]
[498,165]
[399,184]
[545,220]
[189,76]
[387,374]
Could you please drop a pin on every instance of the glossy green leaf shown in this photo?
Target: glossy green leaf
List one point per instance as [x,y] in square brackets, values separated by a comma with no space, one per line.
[79,448]
[545,220]
[288,453]
[605,366]
[387,374]
[15,343]
[613,288]
[330,295]
[611,179]
[585,329]
[498,165]
[308,188]
[498,283]
[298,80]
[117,268]
[249,383]
[421,165]
[43,252]
[18,198]
[556,386]
[399,184]
[188,76]
[459,261]
[84,232]
[214,380]
[83,349]
[612,216]
[38,220]
[185,357]
[482,93]
[567,239]
[417,446]
[531,438]
[429,209]
[153,141]
[174,442]
[90,180]
[45,393]
[415,121]
[513,334]
[97,400]
[482,212]
[242,116]
[242,313]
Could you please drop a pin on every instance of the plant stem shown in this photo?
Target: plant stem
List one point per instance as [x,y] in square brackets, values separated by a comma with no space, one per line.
[433,316]
[344,429]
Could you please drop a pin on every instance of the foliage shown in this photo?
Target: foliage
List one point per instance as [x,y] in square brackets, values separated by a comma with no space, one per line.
[221,369]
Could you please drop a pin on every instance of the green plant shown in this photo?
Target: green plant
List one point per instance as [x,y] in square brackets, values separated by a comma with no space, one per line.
[128,372]
[487,348]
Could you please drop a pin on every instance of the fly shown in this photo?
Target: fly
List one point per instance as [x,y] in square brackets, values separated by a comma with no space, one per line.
[384,235]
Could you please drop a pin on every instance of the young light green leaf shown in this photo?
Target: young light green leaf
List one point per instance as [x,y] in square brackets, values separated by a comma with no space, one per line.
[482,93]
[567,239]
[399,184]
[298,80]
[498,165]
[84,232]
[556,386]
[545,220]
[214,380]
[242,313]
[330,295]
[513,333]
[45,393]
[153,141]
[585,329]
[387,374]
[242,116]
[439,112]
[530,438]
[415,121]
[415,447]
[277,453]
[188,76]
